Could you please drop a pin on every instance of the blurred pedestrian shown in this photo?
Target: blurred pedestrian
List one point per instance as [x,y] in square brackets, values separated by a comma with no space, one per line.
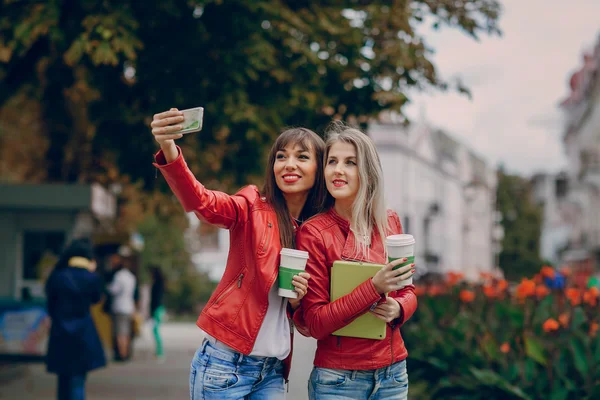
[157,310]
[74,347]
[248,346]
[122,290]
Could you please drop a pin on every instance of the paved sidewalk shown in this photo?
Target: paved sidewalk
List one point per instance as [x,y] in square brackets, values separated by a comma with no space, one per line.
[145,379]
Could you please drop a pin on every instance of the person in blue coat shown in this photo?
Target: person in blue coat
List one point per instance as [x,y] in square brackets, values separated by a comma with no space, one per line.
[74,347]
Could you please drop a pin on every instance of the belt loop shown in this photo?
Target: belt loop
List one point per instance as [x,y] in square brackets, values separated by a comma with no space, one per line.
[353,376]
[388,372]
[240,359]
[203,346]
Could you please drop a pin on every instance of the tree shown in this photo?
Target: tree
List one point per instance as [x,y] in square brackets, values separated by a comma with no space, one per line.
[98,70]
[522,221]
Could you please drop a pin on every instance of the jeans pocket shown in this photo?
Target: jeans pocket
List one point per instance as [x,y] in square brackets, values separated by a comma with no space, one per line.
[223,381]
[328,377]
[399,374]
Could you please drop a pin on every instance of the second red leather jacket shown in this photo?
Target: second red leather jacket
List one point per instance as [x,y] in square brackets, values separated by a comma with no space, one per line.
[327,238]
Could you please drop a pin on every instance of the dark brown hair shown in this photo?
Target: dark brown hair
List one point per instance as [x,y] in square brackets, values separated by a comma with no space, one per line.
[310,141]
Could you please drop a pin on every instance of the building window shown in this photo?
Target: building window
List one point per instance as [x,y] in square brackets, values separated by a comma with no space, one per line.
[406,224]
[561,187]
[40,253]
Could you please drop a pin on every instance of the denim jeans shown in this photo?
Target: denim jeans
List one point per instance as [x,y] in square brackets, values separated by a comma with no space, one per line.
[227,375]
[71,387]
[389,383]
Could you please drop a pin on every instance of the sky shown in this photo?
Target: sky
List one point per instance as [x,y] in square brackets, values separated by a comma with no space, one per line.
[517,81]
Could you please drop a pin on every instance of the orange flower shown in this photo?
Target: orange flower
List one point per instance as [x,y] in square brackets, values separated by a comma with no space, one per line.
[454,278]
[550,325]
[590,296]
[466,296]
[489,291]
[436,290]
[505,348]
[574,296]
[541,291]
[547,272]
[538,278]
[420,290]
[593,329]
[502,285]
[564,319]
[526,289]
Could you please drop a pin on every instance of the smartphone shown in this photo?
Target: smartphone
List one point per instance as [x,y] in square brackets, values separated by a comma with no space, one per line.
[192,120]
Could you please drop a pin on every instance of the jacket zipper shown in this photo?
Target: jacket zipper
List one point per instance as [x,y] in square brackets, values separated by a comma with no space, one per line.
[230,288]
[270,225]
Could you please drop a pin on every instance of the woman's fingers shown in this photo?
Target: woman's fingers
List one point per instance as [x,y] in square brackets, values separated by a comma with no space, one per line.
[403,270]
[166,114]
[405,276]
[166,130]
[166,121]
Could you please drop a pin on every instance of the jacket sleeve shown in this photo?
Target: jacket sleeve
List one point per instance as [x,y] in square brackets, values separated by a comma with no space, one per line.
[210,206]
[406,296]
[407,299]
[320,317]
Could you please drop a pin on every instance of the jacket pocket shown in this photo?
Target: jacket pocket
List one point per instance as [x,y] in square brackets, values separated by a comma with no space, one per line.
[236,284]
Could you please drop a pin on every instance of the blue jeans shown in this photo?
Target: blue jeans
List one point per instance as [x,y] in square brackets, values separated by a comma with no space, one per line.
[71,387]
[227,375]
[389,383]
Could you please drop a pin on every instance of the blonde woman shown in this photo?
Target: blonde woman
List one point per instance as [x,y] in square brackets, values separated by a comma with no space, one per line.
[354,228]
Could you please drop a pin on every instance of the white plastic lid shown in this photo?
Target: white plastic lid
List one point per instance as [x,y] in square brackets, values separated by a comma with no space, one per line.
[400,240]
[294,253]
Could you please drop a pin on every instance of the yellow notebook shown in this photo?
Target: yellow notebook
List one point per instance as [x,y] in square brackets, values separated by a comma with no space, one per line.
[345,277]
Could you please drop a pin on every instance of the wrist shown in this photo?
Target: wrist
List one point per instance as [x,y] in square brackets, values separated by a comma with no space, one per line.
[377,289]
[169,149]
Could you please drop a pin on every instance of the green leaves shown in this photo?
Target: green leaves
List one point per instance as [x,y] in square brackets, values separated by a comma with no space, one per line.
[535,349]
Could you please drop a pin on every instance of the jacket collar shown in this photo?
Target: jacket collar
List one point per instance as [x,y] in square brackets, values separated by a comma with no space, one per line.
[376,252]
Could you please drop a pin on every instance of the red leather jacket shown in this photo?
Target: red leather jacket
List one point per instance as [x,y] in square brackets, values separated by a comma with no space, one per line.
[327,238]
[236,310]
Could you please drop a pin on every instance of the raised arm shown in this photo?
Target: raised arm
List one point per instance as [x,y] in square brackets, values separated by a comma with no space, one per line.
[214,207]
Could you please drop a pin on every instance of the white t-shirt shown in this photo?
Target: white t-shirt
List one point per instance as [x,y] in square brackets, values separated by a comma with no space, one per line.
[273,338]
[122,289]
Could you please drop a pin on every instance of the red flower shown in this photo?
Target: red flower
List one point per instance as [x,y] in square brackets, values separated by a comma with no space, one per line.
[466,296]
[454,278]
[541,291]
[547,272]
[502,285]
[526,289]
[505,348]
[550,325]
[564,319]
[590,296]
[593,329]
[574,296]
[489,291]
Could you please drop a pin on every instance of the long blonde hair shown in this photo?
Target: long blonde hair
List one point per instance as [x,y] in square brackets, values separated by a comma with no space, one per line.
[369,213]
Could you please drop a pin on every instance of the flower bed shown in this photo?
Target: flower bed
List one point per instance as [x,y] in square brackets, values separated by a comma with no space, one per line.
[537,339]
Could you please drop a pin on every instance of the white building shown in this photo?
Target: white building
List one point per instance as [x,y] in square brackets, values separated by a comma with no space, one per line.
[444,194]
[559,215]
[580,206]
